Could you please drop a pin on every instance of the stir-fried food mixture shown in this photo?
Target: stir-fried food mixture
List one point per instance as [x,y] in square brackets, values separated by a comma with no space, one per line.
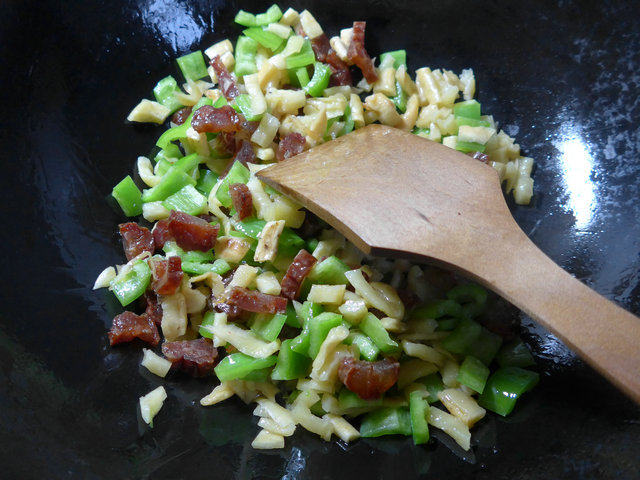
[228,279]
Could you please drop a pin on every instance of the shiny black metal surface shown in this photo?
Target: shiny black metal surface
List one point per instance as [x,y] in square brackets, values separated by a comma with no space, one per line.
[562,77]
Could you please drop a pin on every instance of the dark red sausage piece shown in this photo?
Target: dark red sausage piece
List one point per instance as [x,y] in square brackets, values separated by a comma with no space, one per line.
[128,326]
[242,200]
[340,74]
[194,357]
[135,239]
[290,145]
[166,274]
[192,233]
[209,119]
[153,309]
[368,380]
[255,301]
[296,273]
[181,115]
[358,54]
[225,80]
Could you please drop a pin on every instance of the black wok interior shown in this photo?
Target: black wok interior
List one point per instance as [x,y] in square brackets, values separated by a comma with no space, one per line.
[562,77]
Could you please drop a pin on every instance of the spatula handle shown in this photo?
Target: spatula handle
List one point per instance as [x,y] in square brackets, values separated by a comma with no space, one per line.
[603,334]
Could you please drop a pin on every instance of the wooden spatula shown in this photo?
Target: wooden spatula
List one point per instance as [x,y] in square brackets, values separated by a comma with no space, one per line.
[395,194]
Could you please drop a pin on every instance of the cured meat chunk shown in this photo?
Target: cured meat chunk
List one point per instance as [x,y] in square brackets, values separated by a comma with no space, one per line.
[209,119]
[135,239]
[242,199]
[358,54]
[192,233]
[161,233]
[194,357]
[296,273]
[290,145]
[166,274]
[128,326]
[368,380]
[255,301]
[225,80]
[181,115]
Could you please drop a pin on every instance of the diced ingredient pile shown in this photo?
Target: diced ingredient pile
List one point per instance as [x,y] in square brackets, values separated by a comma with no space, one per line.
[237,283]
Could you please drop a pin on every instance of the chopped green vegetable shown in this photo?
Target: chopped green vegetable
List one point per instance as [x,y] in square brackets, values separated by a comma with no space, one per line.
[220,267]
[192,66]
[348,399]
[290,364]
[486,346]
[206,180]
[131,285]
[400,100]
[434,386]
[238,365]
[368,350]
[268,326]
[174,133]
[468,108]
[289,243]
[372,326]
[206,322]
[128,197]
[194,256]
[172,181]
[472,297]
[399,58]
[245,55]
[164,90]
[299,77]
[386,421]
[319,81]
[266,39]
[330,271]
[418,409]
[349,124]
[466,147]
[187,200]
[303,58]
[504,387]
[515,354]
[462,337]
[243,105]
[438,309]
[246,19]
[319,329]
[237,174]
[473,373]
[301,343]
[472,122]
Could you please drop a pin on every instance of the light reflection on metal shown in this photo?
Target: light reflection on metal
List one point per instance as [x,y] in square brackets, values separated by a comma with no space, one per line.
[576,166]
[174,22]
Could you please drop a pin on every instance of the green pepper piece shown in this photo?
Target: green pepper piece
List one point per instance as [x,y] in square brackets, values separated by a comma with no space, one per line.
[419,409]
[434,386]
[466,147]
[131,285]
[301,343]
[220,267]
[330,271]
[473,373]
[468,109]
[400,100]
[128,196]
[192,66]
[174,133]
[187,200]
[486,346]
[237,174]
[462,337]
[268,326]
[245,56]
[399,58]
[319,81]
[472,122]
[319,329]
[194,256]
[472,297]
[292,318]
[242,104]
[265,38]
[303,58]
[261,375]
[289,243]
[238,365]
[447,324]
[437,309]
[386,421]
[368,350]
[349,124]
[206,322]
[290,364]
[171,182]
[348,399]
[164,90]
[515,354]
[206,180]
[246,19]
[504,387]
[372,326]
[312,244]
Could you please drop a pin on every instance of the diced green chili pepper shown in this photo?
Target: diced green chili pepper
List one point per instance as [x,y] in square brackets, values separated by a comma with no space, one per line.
[312,244]
[418,409]
[515,354]
[194,256]
[128,196]
[174,133]
[348,399]
[348,121]
[462,337]
[292,318]
[206,180]
[171,152]
[220,267]
[245,56]
[400,100]
[386,421]
[319,329]
[468,108]
[438,309]
[472,297]
[303,58]
[238,365]
[206,322]
[289,243]
[243,105]
[466,147]
[486,346]
[290,364]
[399,58]
[162,166]
[473,373]
[504,387]
[446,324]
[164,90]
[368,350]
[301,343]
[299,77]
[187,200]
[472,122]
[265,38]
[434,386]
[372,326]
[268,326]
[188,164]
[172,181]
[192,66]
[131,285]
[330,271]
[246,19]
[237,174]
[319,81]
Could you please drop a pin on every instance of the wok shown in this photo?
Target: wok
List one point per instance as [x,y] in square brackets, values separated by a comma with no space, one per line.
[561,77]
